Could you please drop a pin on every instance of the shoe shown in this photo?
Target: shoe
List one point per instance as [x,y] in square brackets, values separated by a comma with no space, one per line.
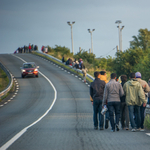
[106,123]
[117,127]
[101,128]
[127,128]
[133,130]
[139,129]
[142,130]
[113,130]
[95,128]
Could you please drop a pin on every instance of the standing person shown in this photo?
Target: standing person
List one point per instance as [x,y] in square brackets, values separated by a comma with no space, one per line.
[134,99]
[96,93]
[146,89]
[29,48]
[104,78]
[84,71]
[112,93]
[124,112]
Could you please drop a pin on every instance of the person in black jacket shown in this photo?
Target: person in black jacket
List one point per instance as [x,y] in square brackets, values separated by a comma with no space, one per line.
[124,113]
[96,93]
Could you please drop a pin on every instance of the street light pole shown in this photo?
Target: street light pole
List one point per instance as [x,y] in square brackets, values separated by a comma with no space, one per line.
[91,38]
[71,35]
[120,34]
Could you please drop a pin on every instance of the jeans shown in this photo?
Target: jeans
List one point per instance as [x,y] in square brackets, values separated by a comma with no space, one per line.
[114,107]
[124,114]
[134,110]
[97,108]
[142,111]
[107,115]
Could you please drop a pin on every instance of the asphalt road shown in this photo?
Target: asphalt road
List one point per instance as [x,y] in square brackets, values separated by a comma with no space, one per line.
[68,125]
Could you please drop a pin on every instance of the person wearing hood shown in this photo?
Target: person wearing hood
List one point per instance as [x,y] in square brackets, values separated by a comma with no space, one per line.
[146,89]
[104,78]
[134,99]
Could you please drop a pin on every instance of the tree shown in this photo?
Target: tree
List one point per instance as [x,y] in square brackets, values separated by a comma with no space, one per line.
[142,40]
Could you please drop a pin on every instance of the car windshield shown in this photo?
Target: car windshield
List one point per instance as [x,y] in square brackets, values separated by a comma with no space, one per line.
[29,66]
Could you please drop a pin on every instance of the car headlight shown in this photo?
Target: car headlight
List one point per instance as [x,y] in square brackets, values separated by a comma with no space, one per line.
[23,70]
[35,69]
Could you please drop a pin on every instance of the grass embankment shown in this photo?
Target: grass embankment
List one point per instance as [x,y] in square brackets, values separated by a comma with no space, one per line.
[3,80]
[62,65]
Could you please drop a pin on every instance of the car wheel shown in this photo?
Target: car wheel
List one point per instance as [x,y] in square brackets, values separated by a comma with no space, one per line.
[37,76]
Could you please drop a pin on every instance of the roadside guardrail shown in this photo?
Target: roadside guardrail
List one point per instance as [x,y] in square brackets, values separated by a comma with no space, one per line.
[9,86]
[78,70]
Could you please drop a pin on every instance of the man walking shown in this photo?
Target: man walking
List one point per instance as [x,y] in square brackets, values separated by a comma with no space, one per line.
[134,99]
[96,93]
[146,89]
[104,78]
[112,93]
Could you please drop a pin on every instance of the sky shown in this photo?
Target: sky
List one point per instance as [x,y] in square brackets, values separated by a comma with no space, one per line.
[44,22]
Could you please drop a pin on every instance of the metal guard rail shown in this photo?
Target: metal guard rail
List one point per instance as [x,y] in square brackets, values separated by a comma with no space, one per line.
[9,86]
[78,70]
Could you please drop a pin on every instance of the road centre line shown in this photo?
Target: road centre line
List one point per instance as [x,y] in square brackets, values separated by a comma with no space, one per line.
[18,135]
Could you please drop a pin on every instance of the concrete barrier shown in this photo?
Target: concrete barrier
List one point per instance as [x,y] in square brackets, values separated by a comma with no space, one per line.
[8,88]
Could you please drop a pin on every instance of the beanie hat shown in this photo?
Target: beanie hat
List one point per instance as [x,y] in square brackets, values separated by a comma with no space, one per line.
[138,75]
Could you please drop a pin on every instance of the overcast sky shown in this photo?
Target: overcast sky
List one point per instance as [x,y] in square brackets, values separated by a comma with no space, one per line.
[44,22]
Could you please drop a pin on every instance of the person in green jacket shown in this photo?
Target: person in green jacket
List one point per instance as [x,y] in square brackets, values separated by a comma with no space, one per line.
[134,99]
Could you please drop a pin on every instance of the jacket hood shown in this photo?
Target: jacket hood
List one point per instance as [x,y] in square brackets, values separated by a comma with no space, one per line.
[133,82]
[102,77]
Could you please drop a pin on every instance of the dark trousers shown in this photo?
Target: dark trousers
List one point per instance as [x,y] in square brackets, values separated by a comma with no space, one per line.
[114,107]
[142,111]
[124,114]
[97,108]
[134,110]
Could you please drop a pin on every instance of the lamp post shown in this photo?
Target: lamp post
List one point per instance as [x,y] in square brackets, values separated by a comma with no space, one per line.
[71,35]
[120,34]
[90,31]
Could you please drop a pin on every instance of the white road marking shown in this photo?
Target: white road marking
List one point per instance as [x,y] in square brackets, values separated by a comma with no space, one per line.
[18,135]
[148,134]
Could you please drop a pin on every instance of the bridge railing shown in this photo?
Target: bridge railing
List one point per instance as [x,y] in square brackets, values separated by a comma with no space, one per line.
[9,86]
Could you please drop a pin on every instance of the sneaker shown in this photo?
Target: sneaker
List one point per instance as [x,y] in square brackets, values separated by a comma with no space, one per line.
[95,128]
[106,123]
[113,130]
[139,129]
[142,130]
[127,128]
[133,130]
[117,127]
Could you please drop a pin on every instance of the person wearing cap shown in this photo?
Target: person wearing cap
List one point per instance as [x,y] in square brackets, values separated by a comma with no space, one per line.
[134,99]
[146,89]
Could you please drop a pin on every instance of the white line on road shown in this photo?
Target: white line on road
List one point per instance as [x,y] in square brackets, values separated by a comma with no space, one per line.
[148,134]
[18,135]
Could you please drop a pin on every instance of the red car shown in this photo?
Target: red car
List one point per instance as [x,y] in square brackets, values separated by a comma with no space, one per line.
[29,69]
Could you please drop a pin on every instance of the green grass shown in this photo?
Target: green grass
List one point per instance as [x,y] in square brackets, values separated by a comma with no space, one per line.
[63,65]
[147,122]
[3,80]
